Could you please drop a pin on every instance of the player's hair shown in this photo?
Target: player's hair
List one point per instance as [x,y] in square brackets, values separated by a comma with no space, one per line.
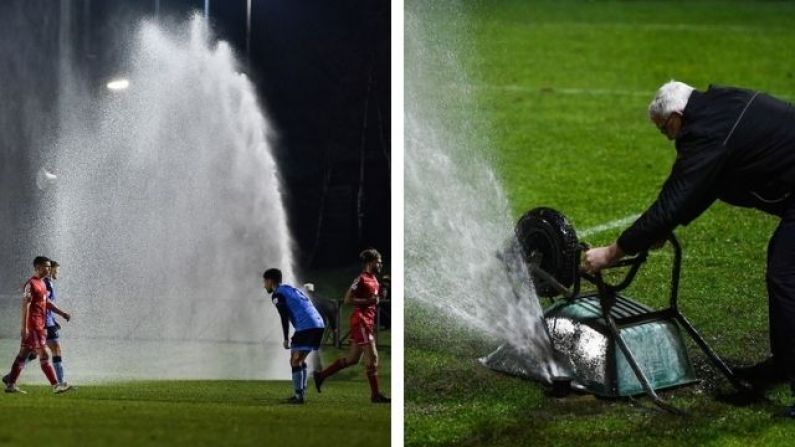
[54,263]
[274,274]
[369,255]
[40,260]
[671,97]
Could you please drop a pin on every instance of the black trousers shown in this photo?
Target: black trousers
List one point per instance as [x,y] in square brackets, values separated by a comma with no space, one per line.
[781,292]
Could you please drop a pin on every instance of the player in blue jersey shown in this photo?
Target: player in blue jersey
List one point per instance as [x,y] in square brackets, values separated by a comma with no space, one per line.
[52,326]
[297,309]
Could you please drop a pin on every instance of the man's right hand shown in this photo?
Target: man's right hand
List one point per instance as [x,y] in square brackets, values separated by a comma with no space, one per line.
[286,344]
[24,334]
[598,258]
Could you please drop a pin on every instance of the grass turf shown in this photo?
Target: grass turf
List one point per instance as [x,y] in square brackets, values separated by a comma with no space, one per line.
[193,413]
[561,91]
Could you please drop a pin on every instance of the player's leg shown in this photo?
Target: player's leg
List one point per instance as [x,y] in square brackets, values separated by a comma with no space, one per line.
[296,364]
[317,362]
[31,357]
[354,354]
[16,368]
[303,342]
[314,342]
[304,374]
[46,366]
[371,365]
[54,343]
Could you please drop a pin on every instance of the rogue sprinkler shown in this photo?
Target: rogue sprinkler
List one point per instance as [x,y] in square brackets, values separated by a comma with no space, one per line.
[608,344]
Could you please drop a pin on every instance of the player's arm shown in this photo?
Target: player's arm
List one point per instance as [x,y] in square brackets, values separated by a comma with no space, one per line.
[365,301]
[51,306]
[360,301]
[351,299]
[26,298]
[348,298]
[281,306]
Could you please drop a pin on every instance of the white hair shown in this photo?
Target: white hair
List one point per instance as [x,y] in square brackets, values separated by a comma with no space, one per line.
[671,97]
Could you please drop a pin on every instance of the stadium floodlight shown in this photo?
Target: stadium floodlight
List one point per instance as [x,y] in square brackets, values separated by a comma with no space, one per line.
[118,84]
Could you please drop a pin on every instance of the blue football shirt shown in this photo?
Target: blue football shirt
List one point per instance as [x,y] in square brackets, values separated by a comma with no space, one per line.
[301,311]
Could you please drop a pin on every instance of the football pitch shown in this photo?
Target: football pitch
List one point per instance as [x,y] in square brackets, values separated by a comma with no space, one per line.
[561,91]
[194,413]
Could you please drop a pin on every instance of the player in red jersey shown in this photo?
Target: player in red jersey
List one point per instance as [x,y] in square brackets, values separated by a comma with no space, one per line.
[34,335]
[363,294]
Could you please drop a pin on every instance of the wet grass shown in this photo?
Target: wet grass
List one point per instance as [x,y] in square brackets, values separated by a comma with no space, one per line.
[197,413]
[561,91]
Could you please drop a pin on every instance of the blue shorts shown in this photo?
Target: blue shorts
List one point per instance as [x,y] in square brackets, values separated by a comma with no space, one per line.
[307,340]
[52,333]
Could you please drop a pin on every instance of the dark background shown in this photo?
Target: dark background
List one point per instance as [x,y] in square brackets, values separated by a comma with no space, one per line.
[322,69]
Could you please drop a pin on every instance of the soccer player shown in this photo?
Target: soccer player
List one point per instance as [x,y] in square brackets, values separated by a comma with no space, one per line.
[363,294]
[52,326]
[296,308]
[34,338]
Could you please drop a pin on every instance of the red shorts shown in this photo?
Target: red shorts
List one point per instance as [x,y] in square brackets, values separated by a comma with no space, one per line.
[361,333]
[37,338]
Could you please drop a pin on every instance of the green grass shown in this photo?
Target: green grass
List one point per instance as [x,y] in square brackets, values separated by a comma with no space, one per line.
[556,95]
[195,413]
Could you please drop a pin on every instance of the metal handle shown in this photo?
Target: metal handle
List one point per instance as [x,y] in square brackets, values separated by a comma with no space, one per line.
[633,262]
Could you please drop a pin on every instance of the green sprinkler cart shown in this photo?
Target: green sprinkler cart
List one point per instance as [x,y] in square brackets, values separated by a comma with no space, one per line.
[613,345]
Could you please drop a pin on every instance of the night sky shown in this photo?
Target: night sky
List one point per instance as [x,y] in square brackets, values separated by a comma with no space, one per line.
[323,68]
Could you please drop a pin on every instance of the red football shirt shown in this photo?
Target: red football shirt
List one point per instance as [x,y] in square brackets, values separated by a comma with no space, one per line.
[37,312]
[365,286]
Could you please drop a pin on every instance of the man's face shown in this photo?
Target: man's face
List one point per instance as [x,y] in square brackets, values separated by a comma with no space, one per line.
[269,285]
[54,272]
[669,126]
[376,266]
[43,270]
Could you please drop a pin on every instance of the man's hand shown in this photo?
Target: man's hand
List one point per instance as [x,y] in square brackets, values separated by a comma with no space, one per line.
[286,344]
[67,316]
[24,334]
[598,258]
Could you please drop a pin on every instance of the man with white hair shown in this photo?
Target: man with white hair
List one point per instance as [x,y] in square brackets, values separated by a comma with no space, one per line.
[738,146]
[328,308]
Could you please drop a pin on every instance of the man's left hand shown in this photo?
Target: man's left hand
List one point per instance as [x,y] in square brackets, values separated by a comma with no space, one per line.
[286,344]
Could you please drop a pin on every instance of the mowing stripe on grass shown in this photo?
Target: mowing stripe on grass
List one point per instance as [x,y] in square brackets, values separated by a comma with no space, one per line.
[583,91]
[568,91]
[561,90]
[626,220]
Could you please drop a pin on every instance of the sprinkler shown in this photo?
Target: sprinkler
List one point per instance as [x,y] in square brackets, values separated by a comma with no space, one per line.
[612,345]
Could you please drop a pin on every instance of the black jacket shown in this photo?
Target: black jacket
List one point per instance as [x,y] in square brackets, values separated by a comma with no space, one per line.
[735,145]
